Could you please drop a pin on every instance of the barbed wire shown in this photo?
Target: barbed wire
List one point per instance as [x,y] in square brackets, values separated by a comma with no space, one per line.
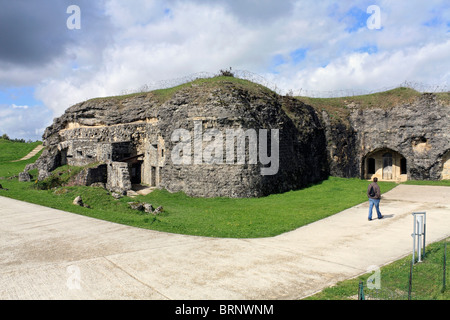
[256,78]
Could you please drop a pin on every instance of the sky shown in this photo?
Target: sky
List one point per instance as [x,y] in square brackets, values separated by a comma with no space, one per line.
[56,53]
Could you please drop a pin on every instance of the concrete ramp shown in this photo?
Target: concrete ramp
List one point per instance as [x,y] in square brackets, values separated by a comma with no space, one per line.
[34,152]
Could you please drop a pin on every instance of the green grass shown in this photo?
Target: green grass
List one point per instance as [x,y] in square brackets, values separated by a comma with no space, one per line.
[384,100]
[258,217]
[162,95]
[444,183]
[338,109]
[10,151]
[427,281]
[216,217]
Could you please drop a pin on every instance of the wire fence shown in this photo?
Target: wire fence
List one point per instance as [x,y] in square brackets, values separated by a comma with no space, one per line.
[418,86]
[420,282]
[256,78]
[240,74]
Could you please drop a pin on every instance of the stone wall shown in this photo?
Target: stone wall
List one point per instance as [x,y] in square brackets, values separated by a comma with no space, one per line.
[302,159]
[88,176]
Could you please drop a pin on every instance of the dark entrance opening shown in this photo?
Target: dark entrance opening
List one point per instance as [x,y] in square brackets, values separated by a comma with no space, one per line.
[403,166]
[153,177]
[64,156]
[371,166]
[135,172]
[134,168]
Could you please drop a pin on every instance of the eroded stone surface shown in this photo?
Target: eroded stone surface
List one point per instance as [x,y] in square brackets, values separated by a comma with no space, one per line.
[132,138]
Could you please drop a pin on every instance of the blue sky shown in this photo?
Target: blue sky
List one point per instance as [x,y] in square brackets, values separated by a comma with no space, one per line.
[18,96]
[298,45]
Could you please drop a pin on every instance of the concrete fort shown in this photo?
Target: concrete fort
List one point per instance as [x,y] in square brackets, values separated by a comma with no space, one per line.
[228,137]
[232,144]
[222,140]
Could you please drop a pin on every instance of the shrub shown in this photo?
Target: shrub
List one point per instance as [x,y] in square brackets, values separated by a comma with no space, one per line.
[51,182]
[226,73]
[62,176]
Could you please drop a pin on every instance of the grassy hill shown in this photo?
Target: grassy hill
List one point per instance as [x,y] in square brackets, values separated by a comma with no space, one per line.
[162,95]
[339,108]
[10,151]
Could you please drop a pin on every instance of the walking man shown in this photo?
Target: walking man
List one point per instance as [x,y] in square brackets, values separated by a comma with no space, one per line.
[374,194]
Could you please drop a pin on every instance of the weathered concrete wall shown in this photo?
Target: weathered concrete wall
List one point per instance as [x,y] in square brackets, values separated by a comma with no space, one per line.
[136,133]
[88,176]
[342,148]
[92,132]
[419,131]
[118,177]
[302,159]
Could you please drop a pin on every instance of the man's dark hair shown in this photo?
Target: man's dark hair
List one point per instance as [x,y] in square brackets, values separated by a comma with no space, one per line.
[375,179]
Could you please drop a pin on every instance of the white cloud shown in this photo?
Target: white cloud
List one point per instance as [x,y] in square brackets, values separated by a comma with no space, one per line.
[196,39]
[19,107]
[22,121]
[385,69]
[149,41]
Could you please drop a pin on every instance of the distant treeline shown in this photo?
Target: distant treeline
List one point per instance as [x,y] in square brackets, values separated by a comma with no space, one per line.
[6,137]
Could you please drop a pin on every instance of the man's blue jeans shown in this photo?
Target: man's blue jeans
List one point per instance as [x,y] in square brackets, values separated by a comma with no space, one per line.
[376,203]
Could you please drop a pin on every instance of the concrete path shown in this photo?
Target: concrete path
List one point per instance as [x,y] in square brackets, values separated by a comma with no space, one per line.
[33,152]
[51,254]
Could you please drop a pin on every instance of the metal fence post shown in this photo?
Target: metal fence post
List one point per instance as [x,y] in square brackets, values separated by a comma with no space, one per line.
[445,268]
[361,291]
[419,231]
[419,235]
[414,239]
[410,280]
[424,233]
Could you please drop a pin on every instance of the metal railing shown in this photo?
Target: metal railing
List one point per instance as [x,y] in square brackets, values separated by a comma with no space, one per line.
[413,284]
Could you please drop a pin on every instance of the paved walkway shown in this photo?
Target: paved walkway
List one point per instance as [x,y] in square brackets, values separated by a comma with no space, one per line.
[33,152]
[51,254]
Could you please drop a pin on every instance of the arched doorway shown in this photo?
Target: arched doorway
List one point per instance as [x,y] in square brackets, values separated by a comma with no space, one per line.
[446,166]
[385,164]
